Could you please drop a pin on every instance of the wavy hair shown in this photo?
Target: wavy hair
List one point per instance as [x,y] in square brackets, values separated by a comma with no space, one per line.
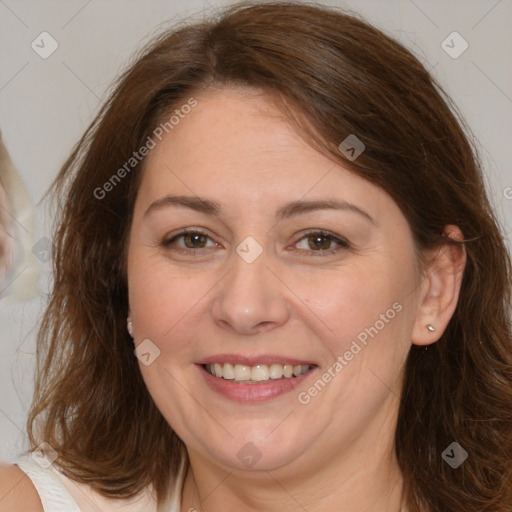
[333,75]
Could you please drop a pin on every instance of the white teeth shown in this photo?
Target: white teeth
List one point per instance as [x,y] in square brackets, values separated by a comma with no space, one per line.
[242,372]
[228,372]
[276,371]
[287,370]
[258,373]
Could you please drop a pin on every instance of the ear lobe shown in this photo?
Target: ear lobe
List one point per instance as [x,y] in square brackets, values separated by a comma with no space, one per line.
[442,281]
[129,323]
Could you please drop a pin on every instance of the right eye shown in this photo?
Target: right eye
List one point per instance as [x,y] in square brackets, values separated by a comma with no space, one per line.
[189,241]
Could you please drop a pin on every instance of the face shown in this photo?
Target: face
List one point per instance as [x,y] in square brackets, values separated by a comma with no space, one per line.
[252,252]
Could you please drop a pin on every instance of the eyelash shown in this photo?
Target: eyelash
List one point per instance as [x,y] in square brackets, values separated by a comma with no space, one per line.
[342,243]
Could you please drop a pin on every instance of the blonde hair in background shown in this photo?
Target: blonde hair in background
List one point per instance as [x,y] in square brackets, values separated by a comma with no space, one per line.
[19,271]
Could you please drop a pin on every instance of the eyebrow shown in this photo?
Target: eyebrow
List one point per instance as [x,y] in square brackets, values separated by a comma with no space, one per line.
[301,207]
[287,211]
[193,202]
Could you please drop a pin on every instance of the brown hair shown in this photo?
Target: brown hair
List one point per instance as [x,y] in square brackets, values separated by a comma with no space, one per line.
[342,77]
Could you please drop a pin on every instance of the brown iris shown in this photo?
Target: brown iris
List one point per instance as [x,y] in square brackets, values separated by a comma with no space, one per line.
[195,240]
[320,242]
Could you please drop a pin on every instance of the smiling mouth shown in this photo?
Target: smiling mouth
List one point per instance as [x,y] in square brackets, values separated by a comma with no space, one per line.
[257,374]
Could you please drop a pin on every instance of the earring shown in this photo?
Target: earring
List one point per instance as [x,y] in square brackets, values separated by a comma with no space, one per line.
[129,326]
[430,327]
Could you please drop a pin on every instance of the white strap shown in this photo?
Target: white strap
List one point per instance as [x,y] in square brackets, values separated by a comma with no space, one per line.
[52,492]
[55,497]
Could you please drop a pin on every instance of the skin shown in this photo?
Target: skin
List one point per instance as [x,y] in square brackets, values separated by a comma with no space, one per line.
[337,451]
[17,493]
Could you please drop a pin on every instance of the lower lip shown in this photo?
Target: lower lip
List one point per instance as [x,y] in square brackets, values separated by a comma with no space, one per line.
[252,392]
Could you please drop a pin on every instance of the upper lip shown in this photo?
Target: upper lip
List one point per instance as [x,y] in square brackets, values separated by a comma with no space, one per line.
[267,359]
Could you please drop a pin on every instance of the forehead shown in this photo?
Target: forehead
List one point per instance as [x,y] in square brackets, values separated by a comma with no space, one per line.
[236,144]
[230,128]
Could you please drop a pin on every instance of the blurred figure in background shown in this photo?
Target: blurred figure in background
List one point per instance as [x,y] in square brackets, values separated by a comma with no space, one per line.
[19,272]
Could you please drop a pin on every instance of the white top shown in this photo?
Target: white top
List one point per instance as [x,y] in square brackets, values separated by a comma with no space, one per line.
[59,493]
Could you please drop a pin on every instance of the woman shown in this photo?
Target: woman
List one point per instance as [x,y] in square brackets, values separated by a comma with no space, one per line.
[279,212]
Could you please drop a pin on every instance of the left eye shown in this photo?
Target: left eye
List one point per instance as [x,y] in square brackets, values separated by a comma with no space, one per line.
[321,242]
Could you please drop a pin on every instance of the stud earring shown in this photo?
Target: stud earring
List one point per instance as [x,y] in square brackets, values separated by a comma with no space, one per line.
[129,326]
[430,327]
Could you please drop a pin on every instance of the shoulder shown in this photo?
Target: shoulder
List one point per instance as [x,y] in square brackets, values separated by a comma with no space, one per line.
[32,487]
[17,492]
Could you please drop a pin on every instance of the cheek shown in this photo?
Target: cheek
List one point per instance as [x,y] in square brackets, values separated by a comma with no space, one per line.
[167,302]
[351,298]
[165,306]
[360,311]
[157,297]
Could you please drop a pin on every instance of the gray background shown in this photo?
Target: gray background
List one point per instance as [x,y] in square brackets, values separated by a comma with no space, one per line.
[46,104]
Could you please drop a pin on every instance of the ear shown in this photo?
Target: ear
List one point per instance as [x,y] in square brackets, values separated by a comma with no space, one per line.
[440,289]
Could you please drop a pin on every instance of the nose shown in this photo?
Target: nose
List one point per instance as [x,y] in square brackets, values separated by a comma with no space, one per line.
[250,299]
